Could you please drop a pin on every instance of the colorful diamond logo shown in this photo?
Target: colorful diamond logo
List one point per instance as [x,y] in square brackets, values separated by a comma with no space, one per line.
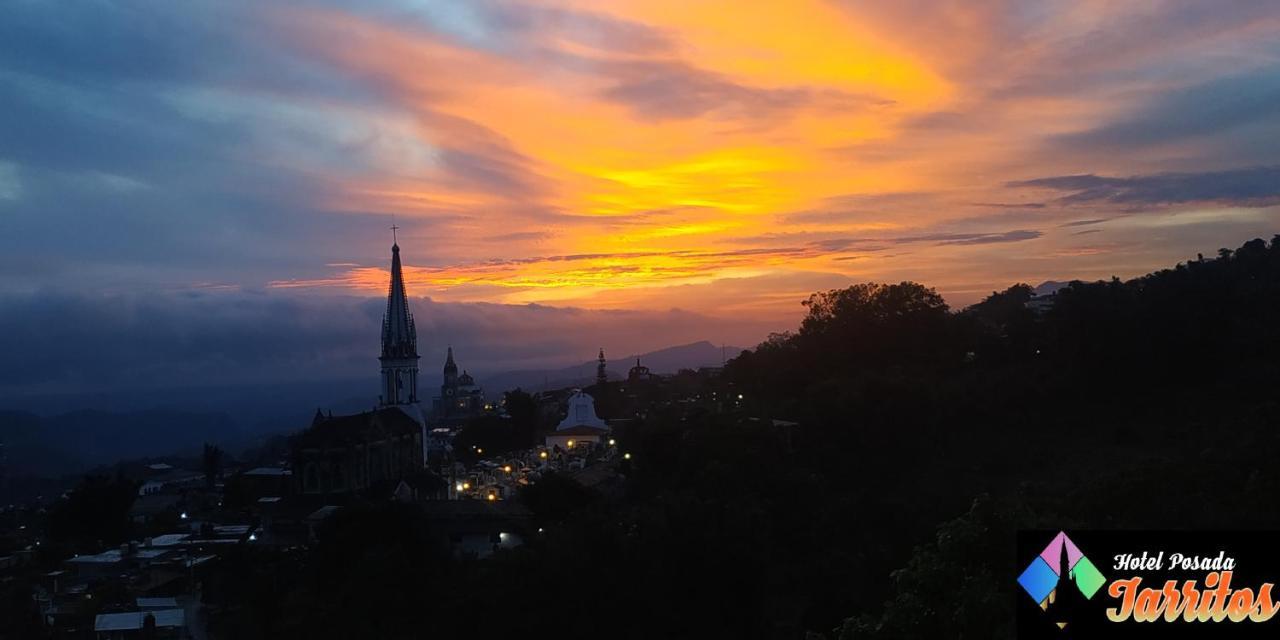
[1043,575]
[1087,577]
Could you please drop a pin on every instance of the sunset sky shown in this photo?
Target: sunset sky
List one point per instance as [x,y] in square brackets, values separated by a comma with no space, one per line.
[708,163]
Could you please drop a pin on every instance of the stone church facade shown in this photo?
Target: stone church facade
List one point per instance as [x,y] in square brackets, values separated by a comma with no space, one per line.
[380,448]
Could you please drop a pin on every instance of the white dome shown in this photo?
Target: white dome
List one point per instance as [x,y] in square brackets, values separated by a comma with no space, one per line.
[582,413]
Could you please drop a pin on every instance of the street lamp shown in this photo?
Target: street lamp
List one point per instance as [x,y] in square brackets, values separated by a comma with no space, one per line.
[626,456]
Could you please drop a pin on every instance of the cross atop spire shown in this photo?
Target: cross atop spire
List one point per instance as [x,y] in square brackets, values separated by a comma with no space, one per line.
[394,228]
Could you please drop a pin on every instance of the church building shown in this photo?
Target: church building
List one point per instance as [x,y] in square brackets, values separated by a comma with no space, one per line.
[378,448]
[460,397]
[580,427]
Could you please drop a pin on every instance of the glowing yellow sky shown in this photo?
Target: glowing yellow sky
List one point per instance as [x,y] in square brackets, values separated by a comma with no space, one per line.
[650,152]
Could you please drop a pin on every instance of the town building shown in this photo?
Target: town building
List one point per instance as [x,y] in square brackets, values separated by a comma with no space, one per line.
[157,624]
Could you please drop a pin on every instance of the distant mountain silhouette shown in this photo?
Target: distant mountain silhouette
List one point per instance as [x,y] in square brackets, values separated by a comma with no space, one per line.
[1049,287]
[59,434]
[668,360]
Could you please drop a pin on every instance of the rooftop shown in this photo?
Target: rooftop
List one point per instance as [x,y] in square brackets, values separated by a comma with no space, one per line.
[268,471]
[157,603]
[133,620]
[115,555]
[358,427]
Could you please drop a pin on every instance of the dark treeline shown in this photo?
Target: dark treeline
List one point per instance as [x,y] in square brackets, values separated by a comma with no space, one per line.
[868,484]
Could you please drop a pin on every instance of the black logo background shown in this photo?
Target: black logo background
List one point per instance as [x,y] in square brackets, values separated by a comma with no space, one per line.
[1257,558]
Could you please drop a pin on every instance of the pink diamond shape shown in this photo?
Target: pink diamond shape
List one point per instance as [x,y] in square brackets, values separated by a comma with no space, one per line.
[1053,552]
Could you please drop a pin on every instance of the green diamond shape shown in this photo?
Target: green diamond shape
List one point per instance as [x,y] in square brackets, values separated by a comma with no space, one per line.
[1087,577]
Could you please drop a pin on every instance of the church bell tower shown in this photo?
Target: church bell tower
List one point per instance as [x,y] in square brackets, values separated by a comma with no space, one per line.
[399,342]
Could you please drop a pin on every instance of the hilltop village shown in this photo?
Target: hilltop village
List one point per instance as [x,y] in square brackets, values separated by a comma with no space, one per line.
[460,456]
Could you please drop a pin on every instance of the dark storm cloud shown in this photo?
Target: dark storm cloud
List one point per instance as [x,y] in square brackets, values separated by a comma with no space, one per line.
[166,338]
[55,342]
[1250,187]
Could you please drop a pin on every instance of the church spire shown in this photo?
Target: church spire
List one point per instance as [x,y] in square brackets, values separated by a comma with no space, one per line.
[399,340]
[399,337]
[601,376]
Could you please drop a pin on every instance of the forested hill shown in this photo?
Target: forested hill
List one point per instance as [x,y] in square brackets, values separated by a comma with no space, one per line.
[1148,403]
[1207,321]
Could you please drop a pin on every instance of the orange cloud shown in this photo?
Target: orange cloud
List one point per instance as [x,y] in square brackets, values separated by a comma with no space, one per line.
[650,145]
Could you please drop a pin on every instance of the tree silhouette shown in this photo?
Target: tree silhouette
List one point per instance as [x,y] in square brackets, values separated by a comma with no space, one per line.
[211,463]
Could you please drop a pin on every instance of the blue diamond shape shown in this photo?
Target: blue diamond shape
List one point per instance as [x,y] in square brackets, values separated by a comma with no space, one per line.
[1038,580]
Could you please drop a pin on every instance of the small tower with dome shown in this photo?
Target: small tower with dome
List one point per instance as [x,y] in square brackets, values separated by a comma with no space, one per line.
[580,426]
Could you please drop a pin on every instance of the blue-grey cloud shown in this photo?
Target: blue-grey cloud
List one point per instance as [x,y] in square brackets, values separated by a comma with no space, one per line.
[1216,107]
[1248,187]
[177,144]
[936,238]
[67,342]
[1084,223]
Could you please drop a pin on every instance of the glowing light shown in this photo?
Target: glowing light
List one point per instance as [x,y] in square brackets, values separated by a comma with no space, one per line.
[570,444]
[612,442]
[626,456]
[493,497]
